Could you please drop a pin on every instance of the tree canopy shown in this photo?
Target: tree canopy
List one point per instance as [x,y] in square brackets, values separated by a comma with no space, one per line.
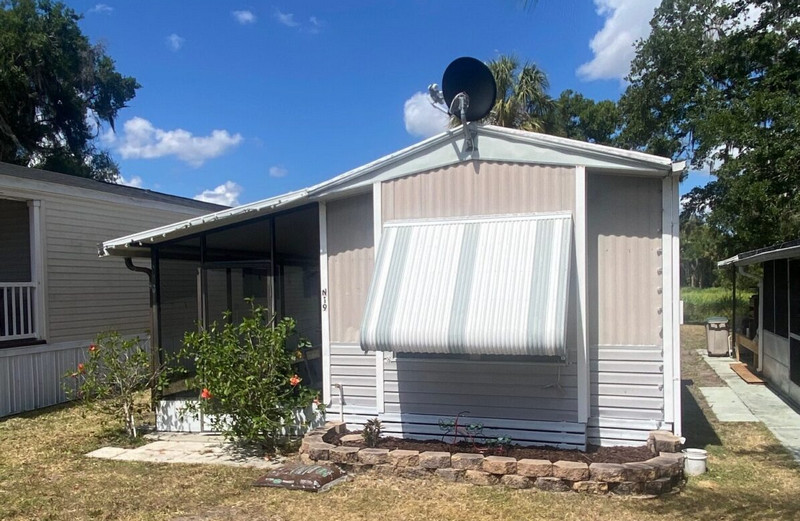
[718,83]
[56,91]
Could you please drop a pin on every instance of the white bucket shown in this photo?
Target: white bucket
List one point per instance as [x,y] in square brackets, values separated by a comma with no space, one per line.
[694,462]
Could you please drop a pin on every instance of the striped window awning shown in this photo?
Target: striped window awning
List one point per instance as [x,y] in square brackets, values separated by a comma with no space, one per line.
[489,286]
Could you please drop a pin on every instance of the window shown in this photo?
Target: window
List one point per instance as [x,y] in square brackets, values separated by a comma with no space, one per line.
[794,360]
[769,296]
[782,298]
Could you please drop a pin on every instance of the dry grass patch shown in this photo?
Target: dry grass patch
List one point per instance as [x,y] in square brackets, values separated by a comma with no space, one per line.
[45,476]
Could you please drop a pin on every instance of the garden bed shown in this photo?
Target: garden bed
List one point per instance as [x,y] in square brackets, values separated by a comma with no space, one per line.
[519,467]
[593,454]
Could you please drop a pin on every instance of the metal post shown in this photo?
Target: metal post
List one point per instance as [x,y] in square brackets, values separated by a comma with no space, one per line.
[733,319]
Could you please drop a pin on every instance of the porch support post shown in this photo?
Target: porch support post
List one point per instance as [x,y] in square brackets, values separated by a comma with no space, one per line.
[37,268]
[323,288]
[377,228]
[670,300]
[580,277]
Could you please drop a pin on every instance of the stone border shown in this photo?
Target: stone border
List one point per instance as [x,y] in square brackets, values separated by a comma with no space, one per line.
[653,477]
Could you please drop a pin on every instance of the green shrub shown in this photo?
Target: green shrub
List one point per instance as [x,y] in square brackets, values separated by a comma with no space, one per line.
[117,369]
[245,377]
[699,304]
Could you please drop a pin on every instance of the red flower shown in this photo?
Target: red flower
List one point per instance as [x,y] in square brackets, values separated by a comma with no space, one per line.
[294,380]
[92,348]
[206,394]
[81,368]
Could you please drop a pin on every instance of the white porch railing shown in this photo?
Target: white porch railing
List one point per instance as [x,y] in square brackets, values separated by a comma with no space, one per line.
[17,310]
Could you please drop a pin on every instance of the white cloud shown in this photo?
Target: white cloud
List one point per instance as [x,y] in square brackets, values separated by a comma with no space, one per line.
[613,46]
[175,42]
[135,181]
[286,19]
[421,118]
[277,171]
[244,17]
[226,194]
[102,9]
[141,140]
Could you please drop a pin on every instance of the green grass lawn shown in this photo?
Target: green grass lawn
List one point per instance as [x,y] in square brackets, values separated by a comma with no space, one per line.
[44,475]
[702,303]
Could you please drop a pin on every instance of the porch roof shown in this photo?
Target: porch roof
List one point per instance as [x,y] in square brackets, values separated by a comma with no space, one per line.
[784,250]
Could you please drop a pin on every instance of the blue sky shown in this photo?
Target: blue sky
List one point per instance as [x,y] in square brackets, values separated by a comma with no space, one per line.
[245,100]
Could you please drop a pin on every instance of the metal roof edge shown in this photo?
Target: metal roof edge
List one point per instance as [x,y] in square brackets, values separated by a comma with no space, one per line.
[537,138]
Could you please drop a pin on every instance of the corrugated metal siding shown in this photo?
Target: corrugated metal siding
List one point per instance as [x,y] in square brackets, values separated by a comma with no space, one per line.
[626,360]
[465,286]
[15,245]
[479,188]
[350,262]
[624,235]
[504,391]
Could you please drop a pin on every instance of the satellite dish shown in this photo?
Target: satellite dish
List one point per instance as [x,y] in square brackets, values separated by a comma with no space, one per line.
[474,79]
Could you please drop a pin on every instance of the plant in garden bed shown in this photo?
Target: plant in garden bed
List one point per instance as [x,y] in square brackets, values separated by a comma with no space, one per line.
[246,379]
[372,432]
[115,372]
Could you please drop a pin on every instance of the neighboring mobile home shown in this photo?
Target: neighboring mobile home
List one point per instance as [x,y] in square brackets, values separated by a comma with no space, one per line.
[529,279]
[770,333]
[55,294]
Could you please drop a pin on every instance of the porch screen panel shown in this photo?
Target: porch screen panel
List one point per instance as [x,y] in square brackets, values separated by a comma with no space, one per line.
[794,296]
[782,298]
[768,296]
[495,286]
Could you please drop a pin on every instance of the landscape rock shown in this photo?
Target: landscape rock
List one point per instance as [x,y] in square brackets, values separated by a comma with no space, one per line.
[663,441]
[466,461]
[499,465]
[343,455]
[479,477]
[451,475]
[571,470]
[535,468]
[552,485]
[384,469]
[640,471]
[412,472]
[434,460]
[404,458]
[611,472]
[666,466]
[373,456]
[515,481]
[319,451]
[590,487]
[658,486]
[351,438]
[627,488]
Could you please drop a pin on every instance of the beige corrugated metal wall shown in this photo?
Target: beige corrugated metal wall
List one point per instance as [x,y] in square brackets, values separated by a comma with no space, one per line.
[624,216]
[513,390]
[624,235]
[350,261]
[479,188]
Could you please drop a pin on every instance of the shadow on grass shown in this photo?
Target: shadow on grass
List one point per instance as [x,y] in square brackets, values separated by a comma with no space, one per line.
[696,428]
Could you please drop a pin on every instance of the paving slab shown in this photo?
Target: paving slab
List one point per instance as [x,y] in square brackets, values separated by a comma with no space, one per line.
[727,405]
[188,449]
[780,418]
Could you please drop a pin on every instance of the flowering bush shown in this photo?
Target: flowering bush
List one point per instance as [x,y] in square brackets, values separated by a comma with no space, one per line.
[116,370]
[246,379]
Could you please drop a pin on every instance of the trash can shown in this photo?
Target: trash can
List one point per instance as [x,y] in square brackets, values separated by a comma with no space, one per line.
[717,336]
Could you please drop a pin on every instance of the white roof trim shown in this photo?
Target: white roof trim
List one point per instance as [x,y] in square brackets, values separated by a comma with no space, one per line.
[127,245]
[780,253]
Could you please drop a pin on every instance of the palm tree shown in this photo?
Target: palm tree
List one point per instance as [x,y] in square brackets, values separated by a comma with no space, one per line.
[522,100]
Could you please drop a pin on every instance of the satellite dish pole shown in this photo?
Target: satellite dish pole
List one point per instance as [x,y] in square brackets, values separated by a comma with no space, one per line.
[468,91]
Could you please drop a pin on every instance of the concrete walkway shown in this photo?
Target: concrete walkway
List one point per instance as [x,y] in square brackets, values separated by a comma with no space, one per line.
[781,419]
[207,449]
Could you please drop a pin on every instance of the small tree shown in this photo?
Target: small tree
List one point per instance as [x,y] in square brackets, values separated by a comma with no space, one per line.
[115,371]
[246,378]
